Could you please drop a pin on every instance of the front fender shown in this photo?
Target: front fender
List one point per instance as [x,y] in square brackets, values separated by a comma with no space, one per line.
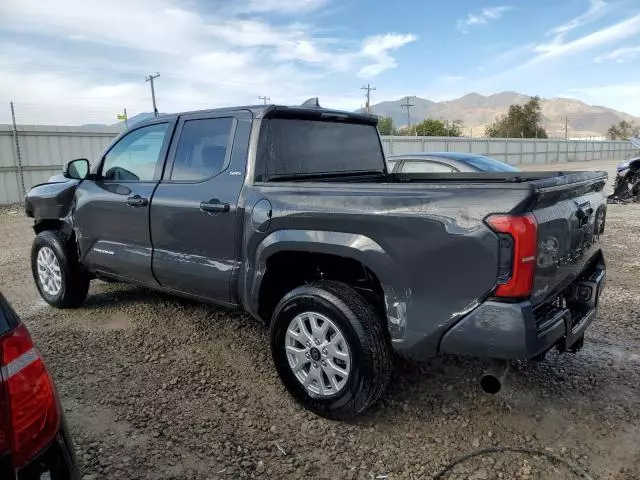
[51,201]
[355,246]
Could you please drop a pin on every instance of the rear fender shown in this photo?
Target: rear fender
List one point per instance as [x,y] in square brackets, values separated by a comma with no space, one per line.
[357,247]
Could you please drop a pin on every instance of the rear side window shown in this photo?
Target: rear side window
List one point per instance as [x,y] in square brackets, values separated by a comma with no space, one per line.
[202,149]
[487,164]
[426,167]
[296,146]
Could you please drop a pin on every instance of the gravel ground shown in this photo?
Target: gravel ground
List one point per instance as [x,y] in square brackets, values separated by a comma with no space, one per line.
[155,387]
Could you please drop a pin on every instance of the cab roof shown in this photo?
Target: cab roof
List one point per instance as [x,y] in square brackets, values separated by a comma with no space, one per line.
[280,111]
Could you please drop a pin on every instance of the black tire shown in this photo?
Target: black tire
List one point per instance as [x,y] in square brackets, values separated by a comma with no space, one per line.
[365,333]
[75,279]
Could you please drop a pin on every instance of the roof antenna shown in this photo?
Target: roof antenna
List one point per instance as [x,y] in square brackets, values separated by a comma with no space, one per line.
[312,102]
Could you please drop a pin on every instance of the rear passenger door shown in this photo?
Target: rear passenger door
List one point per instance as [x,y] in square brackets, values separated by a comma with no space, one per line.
[194,220]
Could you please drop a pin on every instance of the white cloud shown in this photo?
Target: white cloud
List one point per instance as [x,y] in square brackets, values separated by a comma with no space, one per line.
[283,6]
[596,9]
[619,55]
[623,96]
[482,18]
[377,48]
[381,44]
[618,31]
[563,64]
[495,12]
[88,59]
[147,25]
[622,90]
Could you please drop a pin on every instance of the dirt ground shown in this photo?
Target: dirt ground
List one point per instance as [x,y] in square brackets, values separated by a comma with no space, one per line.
[160,388]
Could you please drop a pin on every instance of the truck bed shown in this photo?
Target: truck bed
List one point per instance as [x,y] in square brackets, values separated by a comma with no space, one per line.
[435,226]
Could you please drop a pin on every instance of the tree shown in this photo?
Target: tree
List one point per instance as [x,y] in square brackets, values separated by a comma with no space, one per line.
[520,121]
[623,131]
[430,127]
[385,125]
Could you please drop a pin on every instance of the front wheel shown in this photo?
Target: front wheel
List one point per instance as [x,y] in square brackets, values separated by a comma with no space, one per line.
[61,280]
[331,349]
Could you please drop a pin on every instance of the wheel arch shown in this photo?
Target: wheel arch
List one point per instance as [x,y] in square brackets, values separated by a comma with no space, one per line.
[53,224]
[339,255]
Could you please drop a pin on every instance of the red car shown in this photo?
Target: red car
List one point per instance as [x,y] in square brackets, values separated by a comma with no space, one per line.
[34,442]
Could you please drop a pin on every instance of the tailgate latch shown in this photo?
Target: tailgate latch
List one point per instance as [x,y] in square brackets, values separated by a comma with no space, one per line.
[584,212]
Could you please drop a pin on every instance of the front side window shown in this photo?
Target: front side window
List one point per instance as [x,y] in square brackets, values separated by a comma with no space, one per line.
[426,167]
[135,157]
[202,149]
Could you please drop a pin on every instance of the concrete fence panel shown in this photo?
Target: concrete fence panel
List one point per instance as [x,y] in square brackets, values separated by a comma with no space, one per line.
[41,152]
[44,149]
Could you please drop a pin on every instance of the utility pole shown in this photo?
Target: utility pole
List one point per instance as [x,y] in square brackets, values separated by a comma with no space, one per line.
[566,128]
[150,79]
[408,106]
[17,155]
[368,88]
[124,117]
[265,99]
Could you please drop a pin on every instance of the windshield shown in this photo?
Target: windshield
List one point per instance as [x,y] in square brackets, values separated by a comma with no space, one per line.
[309,147]
[487,164]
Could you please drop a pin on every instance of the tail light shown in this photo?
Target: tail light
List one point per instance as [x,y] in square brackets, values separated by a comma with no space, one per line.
[27,394]
[518,235]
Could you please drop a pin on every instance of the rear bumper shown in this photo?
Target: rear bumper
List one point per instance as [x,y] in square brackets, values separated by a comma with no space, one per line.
[519,331]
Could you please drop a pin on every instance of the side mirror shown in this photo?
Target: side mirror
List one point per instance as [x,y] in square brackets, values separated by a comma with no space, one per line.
[76,169]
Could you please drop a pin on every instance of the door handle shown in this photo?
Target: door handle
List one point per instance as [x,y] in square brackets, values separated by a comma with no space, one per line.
[137,201]
[214,206]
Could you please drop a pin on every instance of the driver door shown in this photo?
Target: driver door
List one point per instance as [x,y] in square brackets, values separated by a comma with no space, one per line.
[112,205]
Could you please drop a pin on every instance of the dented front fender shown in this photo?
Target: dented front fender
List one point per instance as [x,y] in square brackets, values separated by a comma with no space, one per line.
[51,201]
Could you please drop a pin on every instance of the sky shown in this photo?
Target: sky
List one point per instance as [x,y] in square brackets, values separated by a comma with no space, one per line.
[84,61]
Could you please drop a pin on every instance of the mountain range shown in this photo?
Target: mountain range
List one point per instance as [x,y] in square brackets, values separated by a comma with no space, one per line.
[476,111]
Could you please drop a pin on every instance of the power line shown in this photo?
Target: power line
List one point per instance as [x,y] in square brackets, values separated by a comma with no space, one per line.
[408,106]
[150,79]
[368,88]
[265,99]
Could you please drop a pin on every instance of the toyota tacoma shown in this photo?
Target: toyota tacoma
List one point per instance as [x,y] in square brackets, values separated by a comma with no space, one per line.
[290,214]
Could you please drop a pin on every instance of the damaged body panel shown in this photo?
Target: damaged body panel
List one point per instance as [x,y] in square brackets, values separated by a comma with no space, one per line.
[51,201]
[627,182]
[214,212]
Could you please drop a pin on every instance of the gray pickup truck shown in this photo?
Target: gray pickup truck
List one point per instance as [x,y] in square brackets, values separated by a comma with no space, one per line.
[290,214]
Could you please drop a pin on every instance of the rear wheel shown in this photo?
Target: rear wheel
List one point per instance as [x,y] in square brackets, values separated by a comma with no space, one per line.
[331,349]
[61,280]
